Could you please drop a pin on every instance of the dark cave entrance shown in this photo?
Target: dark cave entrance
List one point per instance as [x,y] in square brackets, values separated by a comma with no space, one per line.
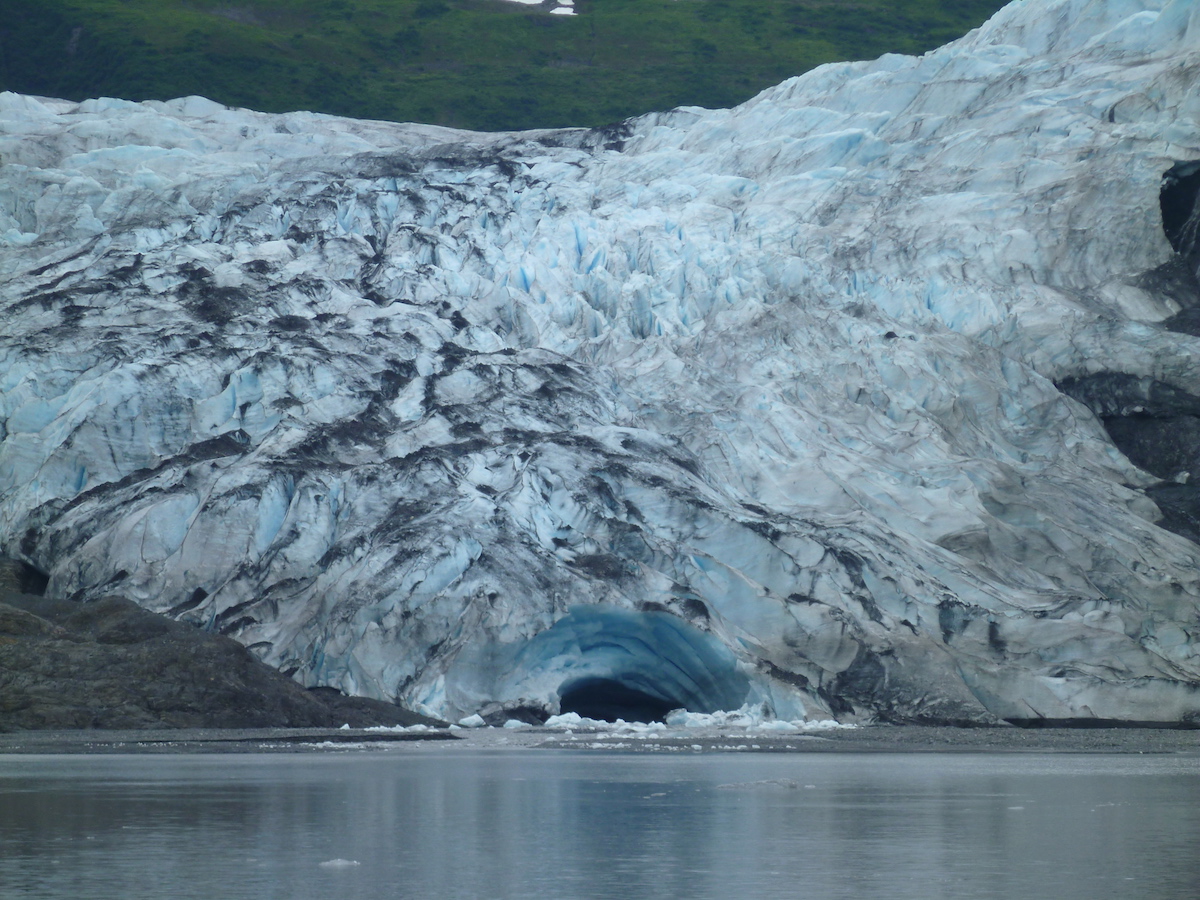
[614,663]
[609,699]
[1178,279]
[1180,211]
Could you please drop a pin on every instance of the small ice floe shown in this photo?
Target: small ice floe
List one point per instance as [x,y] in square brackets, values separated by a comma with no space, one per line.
[749,717]
[824,725]
[777,725]
[419,728]
[770,782]
[752,718]
[572,720]
[339,863]
[474,721]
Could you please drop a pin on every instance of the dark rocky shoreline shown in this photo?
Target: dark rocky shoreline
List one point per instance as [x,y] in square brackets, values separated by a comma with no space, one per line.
[113,665]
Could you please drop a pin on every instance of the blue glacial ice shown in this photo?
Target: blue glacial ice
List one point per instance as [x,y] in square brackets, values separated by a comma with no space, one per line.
[843,401]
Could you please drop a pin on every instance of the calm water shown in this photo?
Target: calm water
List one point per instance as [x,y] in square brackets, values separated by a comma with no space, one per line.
[573,825]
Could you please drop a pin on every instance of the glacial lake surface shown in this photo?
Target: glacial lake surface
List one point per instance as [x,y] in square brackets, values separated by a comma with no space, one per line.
[544,824]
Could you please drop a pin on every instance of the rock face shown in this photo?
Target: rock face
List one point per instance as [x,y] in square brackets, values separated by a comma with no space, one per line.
[803,402]
[112,664]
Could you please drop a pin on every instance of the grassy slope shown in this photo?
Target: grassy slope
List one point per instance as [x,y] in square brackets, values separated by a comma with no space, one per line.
[481,64]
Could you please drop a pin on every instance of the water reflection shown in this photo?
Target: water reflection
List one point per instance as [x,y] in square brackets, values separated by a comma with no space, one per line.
[539,824]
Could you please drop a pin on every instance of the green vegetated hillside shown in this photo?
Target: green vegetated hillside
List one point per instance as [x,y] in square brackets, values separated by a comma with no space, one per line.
[482,64]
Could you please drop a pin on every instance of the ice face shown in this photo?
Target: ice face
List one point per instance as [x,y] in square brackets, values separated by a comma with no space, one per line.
[602,662]
[765,400]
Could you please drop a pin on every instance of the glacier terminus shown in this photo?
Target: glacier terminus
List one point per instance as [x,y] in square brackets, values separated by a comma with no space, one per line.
[875,398]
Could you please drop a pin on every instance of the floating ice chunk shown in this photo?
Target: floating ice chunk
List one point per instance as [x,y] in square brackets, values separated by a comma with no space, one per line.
[824,725]
[750,716]
[739,718]
[339,863]
[473,721]
[572,720]
[419,728]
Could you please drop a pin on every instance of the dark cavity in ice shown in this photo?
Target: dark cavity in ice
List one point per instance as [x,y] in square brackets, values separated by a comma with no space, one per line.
[607,699]
[1179,200]
[1179,278]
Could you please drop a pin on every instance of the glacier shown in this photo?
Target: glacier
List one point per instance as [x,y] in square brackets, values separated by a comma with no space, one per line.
[875,398]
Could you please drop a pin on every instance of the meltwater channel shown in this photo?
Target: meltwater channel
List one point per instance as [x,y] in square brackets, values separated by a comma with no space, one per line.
[533,824]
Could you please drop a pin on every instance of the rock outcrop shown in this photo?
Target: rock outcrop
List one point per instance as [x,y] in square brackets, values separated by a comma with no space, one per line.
[112,664]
